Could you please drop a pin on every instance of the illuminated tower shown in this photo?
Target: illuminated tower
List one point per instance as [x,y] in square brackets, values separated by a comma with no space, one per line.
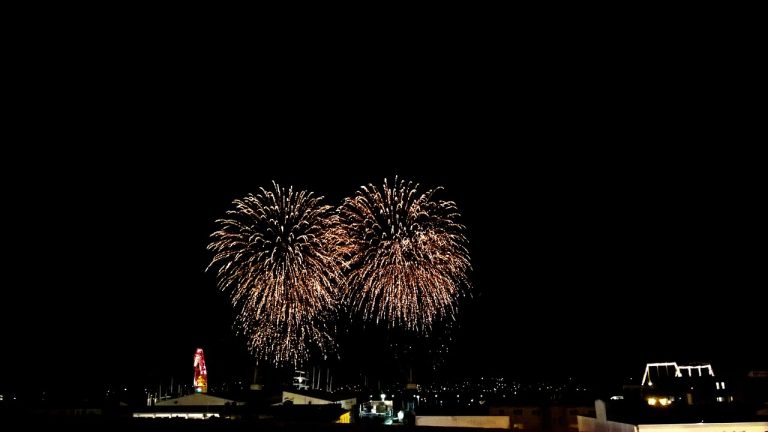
[201,374]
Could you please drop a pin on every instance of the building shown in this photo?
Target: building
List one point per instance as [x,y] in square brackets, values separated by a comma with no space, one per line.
[669,383]
[566,418]
[193,406]
[383,409]
[478,422]
[556,418]
[755,386]
[317,397]
[597,425]
[520,417]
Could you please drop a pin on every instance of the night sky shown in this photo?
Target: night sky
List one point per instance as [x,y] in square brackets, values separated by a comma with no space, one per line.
[574,264]
[607,227]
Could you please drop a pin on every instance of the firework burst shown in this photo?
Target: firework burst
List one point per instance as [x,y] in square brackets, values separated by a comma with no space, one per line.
[406,255]
[276,256]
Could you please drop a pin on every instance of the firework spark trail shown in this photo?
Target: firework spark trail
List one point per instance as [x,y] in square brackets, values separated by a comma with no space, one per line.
[406,255]
[277,256]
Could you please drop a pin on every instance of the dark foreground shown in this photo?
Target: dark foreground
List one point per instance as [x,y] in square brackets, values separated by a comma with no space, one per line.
[130,424]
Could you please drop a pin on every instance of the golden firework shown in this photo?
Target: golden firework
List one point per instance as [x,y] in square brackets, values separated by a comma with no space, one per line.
[406,255]
[277,256]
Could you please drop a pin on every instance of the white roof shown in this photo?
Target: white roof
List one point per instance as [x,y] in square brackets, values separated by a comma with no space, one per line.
[195,399]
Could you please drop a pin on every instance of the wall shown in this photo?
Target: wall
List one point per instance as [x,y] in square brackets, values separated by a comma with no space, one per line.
[588,424]
[496,422]
[707,427]
[565,418]
[520,417]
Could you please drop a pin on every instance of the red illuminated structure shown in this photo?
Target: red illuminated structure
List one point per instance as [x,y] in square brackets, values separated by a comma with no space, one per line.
[201,374]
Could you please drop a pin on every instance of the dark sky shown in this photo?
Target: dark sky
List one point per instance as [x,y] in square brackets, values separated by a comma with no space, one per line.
[577,260]
[613,217]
